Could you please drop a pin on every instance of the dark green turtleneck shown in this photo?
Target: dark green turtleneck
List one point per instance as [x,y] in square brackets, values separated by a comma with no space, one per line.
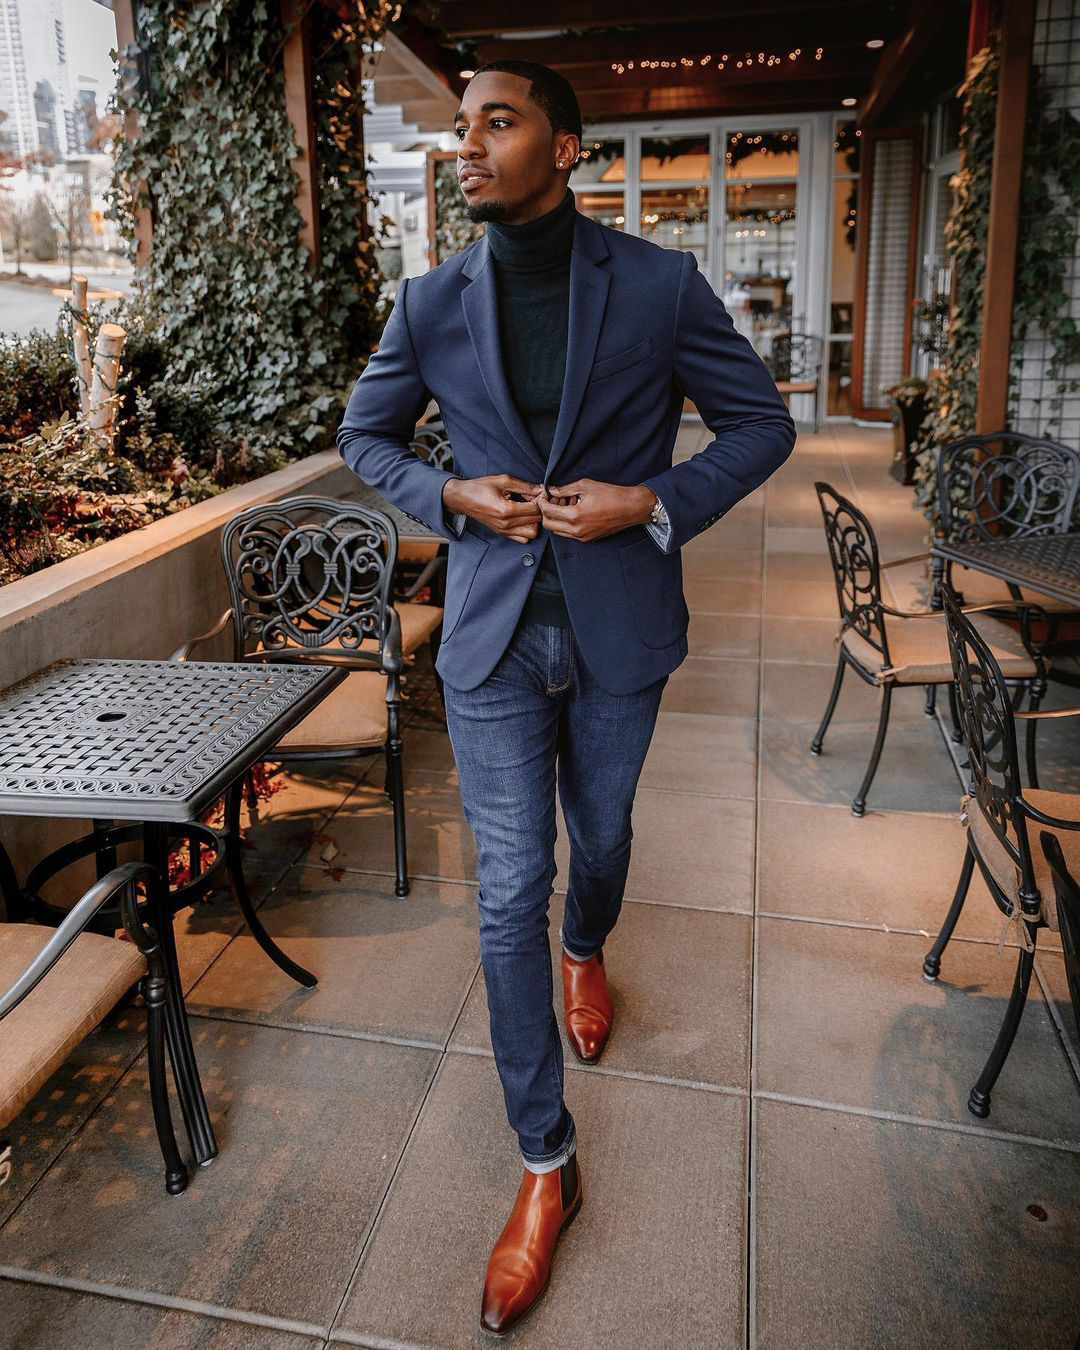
[532,269]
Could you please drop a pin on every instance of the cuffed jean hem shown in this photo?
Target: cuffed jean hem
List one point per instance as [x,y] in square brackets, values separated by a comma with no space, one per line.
[573,955]
[551,1164]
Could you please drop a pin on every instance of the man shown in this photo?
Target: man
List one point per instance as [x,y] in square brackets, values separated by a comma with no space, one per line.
[559,353]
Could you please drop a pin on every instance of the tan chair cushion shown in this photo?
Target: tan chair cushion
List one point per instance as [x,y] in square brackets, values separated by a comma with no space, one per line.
[353,715]
[978,588]
[38,1035]
[919,650]
[1064,805]
[418,622]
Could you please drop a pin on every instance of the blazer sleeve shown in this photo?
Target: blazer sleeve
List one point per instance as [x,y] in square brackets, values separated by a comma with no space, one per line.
[380,421]
[753,431]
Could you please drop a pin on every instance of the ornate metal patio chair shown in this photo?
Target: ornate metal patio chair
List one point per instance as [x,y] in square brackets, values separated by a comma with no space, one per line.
[999,814]
[794,362]
[1006,485]
[886,646]
[56,985]
[310,580]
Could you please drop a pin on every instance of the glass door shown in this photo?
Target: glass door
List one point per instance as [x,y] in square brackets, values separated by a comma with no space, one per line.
[760,239]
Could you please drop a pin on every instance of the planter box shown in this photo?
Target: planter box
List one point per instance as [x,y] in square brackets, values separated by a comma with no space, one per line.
[139,596]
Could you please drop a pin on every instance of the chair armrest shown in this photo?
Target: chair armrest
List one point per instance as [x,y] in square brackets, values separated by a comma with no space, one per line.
[964,609]
[900,562]
[1041,817]
[182,653]
[392,663]
[121,879]
[1040,713]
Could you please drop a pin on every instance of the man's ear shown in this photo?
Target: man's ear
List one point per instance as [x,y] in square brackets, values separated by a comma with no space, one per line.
[567,149]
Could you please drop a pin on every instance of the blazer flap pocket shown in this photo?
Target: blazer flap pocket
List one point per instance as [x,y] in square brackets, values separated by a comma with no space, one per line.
[612,365]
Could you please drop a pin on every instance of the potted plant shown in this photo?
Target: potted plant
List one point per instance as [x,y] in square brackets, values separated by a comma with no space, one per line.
[908,399]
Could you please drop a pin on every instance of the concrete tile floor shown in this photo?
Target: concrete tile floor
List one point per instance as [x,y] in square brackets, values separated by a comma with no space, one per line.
[775,1148]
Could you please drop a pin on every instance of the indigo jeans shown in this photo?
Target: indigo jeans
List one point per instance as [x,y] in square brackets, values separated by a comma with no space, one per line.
[539,718]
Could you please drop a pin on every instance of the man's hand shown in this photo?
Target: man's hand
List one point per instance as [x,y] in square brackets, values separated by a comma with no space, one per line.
[586,509]
[491,501]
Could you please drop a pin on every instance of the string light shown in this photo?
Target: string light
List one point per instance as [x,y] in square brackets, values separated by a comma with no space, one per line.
[748,60]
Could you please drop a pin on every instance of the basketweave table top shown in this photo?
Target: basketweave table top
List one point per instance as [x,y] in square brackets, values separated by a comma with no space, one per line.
[144,740]
[1049,562]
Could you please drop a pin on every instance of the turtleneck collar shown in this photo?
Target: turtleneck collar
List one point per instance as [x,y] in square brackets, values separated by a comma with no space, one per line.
[537,245]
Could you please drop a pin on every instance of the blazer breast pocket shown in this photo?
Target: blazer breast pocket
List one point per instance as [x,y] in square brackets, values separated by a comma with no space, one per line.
[615,365]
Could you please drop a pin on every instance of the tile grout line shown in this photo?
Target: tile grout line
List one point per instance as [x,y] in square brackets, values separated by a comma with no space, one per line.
[924,1122]
[385,1199]
[150,1298]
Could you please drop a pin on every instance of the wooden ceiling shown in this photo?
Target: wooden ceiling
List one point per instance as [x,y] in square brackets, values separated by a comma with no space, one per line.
[586,40]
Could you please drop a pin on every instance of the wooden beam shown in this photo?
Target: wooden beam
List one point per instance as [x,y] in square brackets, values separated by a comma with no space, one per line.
[124,13]
[1014,76]
[477,18]
[708,101]
[900,58]
[296,59]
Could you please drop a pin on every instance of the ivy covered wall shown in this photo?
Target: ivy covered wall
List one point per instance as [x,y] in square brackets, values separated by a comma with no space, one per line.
[233,292]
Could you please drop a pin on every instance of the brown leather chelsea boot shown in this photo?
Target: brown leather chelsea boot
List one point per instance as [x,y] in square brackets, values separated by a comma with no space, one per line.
[587,1006]
[519,1268]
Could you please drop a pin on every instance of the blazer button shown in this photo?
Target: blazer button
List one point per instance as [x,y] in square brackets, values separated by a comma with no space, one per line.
[528,559]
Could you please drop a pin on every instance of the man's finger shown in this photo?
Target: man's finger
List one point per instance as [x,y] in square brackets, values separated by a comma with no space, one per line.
[552,511]
[508,483]
[569,489]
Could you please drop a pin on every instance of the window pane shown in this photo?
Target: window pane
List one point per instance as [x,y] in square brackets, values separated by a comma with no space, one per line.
[759,255]
[606,207]
[842,301]
[600,162]
[762,154]
[846,148]
[677,218]
[674,159]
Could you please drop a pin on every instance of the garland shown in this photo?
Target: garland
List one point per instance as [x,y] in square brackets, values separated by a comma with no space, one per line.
[234,293]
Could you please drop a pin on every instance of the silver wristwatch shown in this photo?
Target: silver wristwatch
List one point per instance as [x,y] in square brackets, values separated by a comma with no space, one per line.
[658,516]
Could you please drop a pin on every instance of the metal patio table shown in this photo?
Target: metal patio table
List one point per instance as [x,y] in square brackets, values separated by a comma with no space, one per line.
[154,744]
[1049,563]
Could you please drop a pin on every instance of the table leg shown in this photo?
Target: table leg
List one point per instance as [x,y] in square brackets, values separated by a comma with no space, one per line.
[178,1034]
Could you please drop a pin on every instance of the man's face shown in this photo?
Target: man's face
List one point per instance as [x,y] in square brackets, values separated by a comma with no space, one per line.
[507,150]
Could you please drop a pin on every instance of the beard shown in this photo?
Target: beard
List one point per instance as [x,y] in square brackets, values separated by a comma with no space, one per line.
[485,211]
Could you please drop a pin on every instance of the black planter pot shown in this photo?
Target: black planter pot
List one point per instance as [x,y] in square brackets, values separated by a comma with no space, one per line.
[906,417]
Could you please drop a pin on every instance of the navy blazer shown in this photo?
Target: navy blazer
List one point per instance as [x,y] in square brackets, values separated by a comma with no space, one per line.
[645,328]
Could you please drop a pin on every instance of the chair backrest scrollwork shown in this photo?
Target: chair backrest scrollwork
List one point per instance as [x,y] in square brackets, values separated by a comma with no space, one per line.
[985,714]
[1005,485]
[432,444]
[856,566]
[308,572]
[795,357]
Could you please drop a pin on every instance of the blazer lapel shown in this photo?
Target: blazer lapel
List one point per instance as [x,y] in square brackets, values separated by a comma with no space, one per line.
[480,303]
[589,286]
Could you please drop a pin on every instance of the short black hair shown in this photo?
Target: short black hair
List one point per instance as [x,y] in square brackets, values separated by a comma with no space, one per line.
[549,89]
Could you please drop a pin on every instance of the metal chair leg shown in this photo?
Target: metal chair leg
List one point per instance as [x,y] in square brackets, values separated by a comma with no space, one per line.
[979,1098]
[235,865]
[932,963]
[815,744]
[1038,689]
[396,780]
[931,700]
[858,806]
